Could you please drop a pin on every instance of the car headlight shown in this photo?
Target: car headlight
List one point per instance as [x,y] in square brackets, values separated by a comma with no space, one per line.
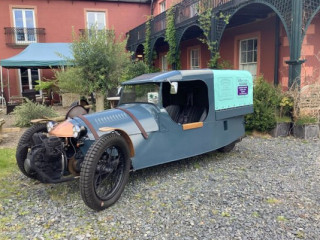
[76,131]
[50,126]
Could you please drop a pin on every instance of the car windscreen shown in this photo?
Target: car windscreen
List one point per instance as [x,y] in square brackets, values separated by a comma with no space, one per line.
[141,93]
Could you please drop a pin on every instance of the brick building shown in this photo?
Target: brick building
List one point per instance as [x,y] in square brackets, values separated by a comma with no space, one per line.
[27,21]
[278,39]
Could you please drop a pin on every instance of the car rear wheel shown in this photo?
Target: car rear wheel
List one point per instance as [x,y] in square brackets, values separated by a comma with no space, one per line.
[24,146]
[105,171]
[227,148]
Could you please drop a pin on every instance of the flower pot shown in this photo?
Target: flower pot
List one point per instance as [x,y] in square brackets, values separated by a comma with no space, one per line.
[282,129]
[307,131]
[69,98]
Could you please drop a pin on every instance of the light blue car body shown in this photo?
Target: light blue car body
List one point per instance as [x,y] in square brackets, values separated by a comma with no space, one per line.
[230,98]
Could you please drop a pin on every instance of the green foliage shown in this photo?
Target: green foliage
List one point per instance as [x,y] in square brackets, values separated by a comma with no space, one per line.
[285,106]
[70,80]
[266,99]
[284,119]
[7,161]
[170,37]
[305,120]
[146,44]
[134,69]
[205,17]
[44,85]
[99,58]
[29,110]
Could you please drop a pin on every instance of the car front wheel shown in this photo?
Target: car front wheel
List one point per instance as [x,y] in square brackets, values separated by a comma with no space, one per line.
[105,171]
[24,146]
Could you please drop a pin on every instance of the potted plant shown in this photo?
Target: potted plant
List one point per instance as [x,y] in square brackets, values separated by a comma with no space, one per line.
[48,89]
[305,111]
[283,117]
[306,127]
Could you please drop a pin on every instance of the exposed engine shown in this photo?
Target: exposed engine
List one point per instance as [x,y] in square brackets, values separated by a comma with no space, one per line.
[48,158]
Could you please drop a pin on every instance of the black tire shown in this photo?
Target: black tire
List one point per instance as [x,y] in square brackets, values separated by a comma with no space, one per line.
[227,148]
[25,144]
[103,176]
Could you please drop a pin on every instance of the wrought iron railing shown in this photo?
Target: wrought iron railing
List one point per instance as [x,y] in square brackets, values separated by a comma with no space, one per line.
[23,36]
[185,11]
[91,32]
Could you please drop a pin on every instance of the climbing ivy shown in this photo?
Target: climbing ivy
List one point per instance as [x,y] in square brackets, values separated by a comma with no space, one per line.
[170,37]
[205,17]
[146,44]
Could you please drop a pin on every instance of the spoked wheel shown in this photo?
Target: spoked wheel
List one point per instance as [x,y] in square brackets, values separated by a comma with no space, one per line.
[24,146]
[105,171]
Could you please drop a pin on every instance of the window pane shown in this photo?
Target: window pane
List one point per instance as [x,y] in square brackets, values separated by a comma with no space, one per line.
[90,19]
[29,19]
[255,56]
[250,45]
[30,34]
[243,46]
[34,76]
[18,18]
[250,58]
[195,62]
[101,20]
[24,79]
[243,57]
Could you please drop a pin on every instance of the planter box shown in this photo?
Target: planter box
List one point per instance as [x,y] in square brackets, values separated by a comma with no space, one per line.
[69,98]
[281,130]
[306,131]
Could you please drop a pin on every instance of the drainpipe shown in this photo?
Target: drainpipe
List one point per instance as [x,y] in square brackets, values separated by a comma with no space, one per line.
[276,52]
[151,10]
[2,97]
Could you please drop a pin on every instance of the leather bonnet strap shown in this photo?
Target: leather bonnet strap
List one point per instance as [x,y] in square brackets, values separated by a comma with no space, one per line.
[94,132]
[136,121]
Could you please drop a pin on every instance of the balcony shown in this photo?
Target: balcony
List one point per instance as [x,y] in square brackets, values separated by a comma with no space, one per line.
[186,13]
[91,32]
[22,37]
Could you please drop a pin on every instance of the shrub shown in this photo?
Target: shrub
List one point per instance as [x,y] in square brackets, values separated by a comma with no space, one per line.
[70,81]
[266,99]
[135,69]
[304,120]
[29,110]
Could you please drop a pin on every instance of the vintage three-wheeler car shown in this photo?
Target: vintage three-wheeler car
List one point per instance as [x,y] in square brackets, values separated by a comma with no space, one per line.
[161,117]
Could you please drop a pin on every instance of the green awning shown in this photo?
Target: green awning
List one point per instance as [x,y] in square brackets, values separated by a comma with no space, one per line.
[41,55]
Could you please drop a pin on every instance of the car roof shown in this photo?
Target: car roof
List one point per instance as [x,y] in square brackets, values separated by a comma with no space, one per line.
[177,75]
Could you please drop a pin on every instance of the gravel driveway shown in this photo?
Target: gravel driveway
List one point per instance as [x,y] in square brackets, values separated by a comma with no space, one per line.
[264,189]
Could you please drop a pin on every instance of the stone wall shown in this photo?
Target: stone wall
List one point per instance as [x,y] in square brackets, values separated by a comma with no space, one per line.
[310,101]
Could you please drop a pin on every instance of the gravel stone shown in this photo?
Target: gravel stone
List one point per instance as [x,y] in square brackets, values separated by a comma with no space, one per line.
[266,188]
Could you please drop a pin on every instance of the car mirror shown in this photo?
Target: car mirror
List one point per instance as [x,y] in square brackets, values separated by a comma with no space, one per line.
[174,88]
[119,91]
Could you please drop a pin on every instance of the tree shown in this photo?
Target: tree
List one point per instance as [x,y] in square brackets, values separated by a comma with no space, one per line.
[99,60]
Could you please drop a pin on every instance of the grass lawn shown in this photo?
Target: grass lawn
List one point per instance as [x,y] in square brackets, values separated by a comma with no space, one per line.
[7,162]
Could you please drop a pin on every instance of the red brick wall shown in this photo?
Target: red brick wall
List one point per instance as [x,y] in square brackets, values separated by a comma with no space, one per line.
[264,31]
[59,17]
[310,71]
[185,48]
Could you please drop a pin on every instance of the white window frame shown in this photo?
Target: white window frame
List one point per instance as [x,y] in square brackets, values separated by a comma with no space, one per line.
[25,28]
[164,63]
[253,52]
[29,79]
[96,18]
[192,57]
[162,6]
